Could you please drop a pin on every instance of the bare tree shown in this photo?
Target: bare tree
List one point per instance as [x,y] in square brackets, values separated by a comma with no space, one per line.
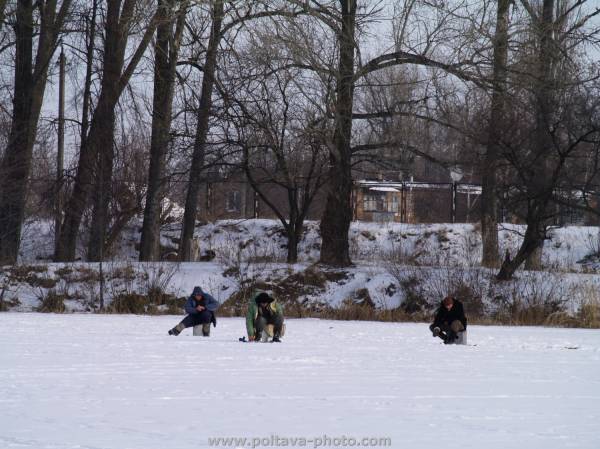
[344,21]
[238,14]
[203,115]
[97,153]
[29,86]
[554,139]
[166,52]
[497,127]
[282,141]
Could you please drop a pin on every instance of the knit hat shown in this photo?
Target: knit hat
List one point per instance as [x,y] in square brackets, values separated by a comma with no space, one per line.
[197,291]
[263,298]
[448,300]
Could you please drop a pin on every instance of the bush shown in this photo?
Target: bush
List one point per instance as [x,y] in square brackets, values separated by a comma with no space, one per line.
[589,314]
[414,302]
[561,319]
[7,304]
[128,303]
[472,301]
[358,312]
[43,282]
[52,302]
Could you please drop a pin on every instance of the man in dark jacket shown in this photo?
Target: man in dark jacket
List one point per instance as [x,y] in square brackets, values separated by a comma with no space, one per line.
[449,320]
[201,308]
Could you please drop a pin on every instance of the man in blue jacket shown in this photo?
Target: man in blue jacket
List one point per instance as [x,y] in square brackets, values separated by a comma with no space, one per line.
[201,308]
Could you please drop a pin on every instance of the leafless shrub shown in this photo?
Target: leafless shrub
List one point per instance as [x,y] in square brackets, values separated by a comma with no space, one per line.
[592,243]
[6,303]
[122,279]
[528,301]
[588,314]
[156,280]
[470,242]
[247,261]
[128,303]
[50,301]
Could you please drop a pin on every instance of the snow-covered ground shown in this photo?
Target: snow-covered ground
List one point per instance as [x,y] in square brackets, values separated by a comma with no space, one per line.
[441,244]
[393,262]
[119,382]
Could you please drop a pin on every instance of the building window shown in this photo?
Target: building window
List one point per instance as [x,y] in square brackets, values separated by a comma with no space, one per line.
[571,216]
[375,202]
[233,202]
[394,205]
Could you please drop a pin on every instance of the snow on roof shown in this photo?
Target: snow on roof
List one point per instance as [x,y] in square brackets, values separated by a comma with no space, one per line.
[389,186]
[384,189]
[476,190]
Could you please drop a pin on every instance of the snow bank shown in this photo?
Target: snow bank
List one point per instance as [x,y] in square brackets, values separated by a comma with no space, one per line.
[424,244]
[393,261]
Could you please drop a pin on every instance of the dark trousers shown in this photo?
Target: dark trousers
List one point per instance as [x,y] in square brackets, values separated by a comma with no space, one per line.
[194,319]
[261,322]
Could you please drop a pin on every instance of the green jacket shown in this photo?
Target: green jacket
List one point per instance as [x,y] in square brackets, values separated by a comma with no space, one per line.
[253,311]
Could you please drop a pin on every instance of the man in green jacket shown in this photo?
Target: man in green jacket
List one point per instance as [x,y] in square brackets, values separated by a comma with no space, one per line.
[264,311]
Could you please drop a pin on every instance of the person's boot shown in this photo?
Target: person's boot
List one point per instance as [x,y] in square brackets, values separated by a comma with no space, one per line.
[177,329]
[258,337]
[276,339]
[450,338]
[206,330]
[441,334]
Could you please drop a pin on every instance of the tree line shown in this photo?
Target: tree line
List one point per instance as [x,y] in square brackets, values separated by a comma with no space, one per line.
[297,93]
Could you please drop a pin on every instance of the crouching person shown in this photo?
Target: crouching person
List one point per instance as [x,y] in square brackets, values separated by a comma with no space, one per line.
[449,320]
[201,308]
[264,312]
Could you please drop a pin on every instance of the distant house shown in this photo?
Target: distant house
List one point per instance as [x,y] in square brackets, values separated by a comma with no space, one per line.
[232,197]
[416,202]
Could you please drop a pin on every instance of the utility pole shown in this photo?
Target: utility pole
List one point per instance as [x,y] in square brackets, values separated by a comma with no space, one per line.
[60,153]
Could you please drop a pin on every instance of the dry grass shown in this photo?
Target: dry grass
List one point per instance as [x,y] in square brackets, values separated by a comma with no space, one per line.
[52,302]
[588,314]
[137,304]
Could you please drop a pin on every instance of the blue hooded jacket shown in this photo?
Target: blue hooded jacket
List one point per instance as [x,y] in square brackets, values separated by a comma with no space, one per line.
[208,302]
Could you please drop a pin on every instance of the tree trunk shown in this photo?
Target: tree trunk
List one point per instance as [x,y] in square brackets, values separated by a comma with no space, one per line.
[540,186]
[534,238]
[17,159]
[102,141]
[102,193]
[294,235]
[101,135]
[89,69]
[203,115]
[166,51]
[65,247]
[292,246]
[29,87]
[534,260]
[337,216]
[295,223]
[489,210]
[2,12]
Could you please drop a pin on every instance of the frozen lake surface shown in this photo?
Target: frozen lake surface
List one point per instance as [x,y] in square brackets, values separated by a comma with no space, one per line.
[120,382]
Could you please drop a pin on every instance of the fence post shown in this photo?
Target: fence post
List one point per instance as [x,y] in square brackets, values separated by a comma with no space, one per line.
[454,197]
[403,203]
[256,205]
